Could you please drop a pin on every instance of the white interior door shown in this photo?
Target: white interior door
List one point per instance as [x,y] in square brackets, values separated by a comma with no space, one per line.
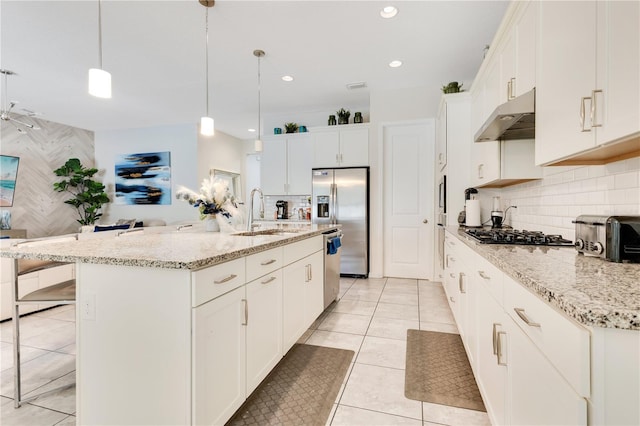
[408,200]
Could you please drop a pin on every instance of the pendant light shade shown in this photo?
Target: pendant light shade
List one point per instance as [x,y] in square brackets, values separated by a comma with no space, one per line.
[258,143]
[206,126]
[99,83]
[206,123]
[99,79]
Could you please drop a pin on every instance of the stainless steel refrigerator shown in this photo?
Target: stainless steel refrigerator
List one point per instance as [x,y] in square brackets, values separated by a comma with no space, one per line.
[341,196]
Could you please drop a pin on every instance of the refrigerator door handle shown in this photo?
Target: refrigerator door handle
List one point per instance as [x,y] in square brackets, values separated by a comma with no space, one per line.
[334,203]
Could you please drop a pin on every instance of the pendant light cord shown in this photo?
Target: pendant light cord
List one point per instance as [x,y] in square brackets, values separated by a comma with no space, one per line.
[207,55]
[259,109]
[100,32]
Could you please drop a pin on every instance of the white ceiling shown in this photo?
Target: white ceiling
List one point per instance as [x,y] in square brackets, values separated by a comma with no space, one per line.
[155,51]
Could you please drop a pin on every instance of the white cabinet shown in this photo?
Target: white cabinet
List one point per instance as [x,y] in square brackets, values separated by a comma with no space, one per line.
[219,358]
[441,135]
[341,146]
[264,327]
[501,163]
[303,297]
[588,89]
[538,394]
[285,165]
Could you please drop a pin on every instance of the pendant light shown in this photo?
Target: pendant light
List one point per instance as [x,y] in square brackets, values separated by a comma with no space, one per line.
[99,79]
[258,143]
[206,123]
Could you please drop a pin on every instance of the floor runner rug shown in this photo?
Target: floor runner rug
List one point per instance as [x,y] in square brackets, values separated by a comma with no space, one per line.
[438,371]
[300,390]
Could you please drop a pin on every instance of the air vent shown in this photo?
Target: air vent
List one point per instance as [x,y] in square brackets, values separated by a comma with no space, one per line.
[359,85]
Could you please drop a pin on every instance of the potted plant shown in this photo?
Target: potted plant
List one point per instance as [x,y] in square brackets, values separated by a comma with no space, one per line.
[88,195]
[290,127]
[343,116]
[452,87]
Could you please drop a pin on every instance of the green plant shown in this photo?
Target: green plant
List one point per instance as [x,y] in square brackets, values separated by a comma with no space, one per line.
[88,194]
[290,127]
[343,113]
[452,87]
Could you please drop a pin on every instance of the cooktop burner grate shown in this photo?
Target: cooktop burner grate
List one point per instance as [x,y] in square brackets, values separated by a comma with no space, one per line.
[514,236]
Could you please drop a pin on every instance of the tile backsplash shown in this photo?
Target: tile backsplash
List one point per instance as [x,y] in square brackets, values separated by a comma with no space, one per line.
[295,202]
[551,203]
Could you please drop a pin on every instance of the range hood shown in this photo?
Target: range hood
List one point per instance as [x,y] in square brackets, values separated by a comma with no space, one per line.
[515,119]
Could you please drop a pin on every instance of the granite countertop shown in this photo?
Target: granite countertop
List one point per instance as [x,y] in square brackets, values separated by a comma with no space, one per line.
[592,290]
[164,247]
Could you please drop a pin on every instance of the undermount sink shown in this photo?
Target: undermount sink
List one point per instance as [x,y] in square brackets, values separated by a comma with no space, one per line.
[271,231]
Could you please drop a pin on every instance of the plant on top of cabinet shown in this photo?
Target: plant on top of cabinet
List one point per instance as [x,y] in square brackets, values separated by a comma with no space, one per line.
[88,194]
[452,87]
[343,116]
[290,127]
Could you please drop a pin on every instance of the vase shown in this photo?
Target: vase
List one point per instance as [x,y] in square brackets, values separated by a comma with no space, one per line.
[332,120]
[211,223]
[357,118]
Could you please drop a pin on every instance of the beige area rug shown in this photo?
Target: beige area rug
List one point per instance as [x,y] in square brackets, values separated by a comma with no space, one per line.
[300,390]
[438,371]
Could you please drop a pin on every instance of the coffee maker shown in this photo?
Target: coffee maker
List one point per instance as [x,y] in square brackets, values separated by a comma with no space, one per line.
[282,209]
[496,214]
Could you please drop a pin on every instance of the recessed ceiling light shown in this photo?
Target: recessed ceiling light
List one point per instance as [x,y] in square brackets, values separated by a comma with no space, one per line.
[395,64]
[251,130]
[388,12]
[287,78]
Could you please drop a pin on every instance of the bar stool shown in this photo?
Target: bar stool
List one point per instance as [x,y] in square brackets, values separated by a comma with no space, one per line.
[63,293]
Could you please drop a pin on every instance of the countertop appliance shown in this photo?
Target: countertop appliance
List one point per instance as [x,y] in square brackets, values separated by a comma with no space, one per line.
[614,238]
[332,253]
[282,209]
[462,216]
[514,236]
[515,119]
[496,214]
[341,196]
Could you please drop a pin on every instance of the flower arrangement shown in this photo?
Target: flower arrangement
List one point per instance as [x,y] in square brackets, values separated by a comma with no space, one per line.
[214,198]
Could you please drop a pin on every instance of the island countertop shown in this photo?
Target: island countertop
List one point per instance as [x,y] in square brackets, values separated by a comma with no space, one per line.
[593,291]
[163,247]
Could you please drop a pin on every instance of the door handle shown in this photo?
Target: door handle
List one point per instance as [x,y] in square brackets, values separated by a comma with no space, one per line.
[462,287]
[499,355]
[582,113]
[425,221]
[593,108]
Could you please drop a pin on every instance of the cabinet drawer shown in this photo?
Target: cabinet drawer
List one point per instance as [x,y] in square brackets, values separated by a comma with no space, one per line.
[304,248]
[264,262]
[562,341]
[212,282]
[491,277]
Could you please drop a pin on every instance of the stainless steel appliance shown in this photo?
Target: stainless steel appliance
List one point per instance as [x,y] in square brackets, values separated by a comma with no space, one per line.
[515,119]
[341,196]
[331,267]
[283,209]
[614,238]
[514,236]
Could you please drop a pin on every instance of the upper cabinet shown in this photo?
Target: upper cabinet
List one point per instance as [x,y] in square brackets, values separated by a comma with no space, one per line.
[588,82]
[286,162]
[341,146]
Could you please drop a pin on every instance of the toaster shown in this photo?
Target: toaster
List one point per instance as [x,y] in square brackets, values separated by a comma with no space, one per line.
[614,238]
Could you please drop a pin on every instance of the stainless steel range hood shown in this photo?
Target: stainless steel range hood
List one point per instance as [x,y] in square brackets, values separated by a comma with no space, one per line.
[515,119]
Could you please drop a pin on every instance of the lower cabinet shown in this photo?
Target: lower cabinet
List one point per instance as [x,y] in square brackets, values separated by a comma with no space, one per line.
[302,281]
[219,358]
[538,394]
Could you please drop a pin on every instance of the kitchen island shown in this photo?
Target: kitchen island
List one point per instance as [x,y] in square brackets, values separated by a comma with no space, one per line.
[553,336]
[179,326]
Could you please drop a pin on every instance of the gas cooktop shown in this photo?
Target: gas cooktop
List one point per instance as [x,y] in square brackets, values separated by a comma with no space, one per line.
[514,236]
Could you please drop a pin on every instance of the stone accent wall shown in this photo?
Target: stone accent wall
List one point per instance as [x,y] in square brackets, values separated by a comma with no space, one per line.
[36,206]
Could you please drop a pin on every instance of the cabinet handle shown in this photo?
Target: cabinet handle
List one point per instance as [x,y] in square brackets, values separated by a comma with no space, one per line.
[462,288]
[452,275]
[525,318]
[499,355]
[582,114]
[495,337]
[512,93]
[483,275]
[593,108]
[268,262]
[225,279]
[310,273]
[452,299]
[268,281]
[337,158]
[246,312]
[480,171]
[509,90]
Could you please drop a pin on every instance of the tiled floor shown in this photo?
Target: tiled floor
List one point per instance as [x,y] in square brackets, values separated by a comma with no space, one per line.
[371,318]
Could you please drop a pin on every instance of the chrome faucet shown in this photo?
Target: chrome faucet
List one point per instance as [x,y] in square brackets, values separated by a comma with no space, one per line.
[250,217]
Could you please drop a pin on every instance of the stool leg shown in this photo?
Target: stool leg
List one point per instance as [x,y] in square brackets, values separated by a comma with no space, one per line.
[16,357]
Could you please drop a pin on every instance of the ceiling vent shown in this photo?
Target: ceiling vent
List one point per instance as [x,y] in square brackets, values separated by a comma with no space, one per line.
[359,85]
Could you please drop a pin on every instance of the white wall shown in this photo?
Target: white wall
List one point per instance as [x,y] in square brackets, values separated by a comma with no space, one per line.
[191,158]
